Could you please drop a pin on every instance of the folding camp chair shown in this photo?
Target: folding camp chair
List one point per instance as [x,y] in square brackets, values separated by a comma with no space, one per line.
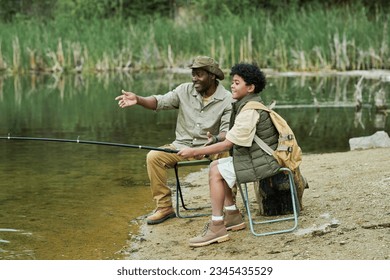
[179,193]
[295,208]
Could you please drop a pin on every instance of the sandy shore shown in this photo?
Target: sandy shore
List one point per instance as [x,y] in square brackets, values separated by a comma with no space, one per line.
[346,215]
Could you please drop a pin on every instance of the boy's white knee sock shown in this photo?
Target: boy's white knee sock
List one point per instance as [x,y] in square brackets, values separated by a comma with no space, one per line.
[231,207]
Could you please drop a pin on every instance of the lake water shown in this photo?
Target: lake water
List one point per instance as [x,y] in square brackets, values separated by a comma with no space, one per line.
[75,201]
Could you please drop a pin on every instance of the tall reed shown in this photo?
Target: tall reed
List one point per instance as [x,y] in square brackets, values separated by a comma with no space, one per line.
[309,39]
[3,64]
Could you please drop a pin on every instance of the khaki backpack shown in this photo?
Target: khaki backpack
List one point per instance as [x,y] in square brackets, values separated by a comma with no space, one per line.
[288,153]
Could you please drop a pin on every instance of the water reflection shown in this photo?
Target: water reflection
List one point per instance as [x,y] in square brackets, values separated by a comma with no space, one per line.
[83,105]
[68,201]
[73,201]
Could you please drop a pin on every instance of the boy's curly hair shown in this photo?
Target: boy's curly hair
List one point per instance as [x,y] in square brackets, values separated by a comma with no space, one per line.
[251,74]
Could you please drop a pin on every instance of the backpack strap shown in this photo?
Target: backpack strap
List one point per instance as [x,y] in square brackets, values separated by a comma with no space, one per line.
[256,106]
[263,145]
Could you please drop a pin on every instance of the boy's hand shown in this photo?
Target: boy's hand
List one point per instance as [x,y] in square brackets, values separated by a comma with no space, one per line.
[186,153]
[211,139]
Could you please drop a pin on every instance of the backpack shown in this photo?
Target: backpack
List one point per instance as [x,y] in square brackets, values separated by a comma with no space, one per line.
[288,153]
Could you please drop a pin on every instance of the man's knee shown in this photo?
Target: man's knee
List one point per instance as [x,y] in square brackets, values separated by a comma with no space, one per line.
[152,157]
[161,159]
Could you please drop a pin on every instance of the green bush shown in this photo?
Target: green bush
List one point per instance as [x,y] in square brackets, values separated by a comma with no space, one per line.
[85,36]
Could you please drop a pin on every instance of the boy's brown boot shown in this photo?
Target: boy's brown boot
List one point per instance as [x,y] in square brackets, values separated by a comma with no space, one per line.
[234,220]
[214,231]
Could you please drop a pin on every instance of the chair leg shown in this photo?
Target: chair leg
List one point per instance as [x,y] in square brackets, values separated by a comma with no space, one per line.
[293,190]
[295,205]
[180,198]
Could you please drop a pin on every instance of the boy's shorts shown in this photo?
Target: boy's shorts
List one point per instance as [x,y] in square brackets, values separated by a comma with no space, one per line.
[226,168]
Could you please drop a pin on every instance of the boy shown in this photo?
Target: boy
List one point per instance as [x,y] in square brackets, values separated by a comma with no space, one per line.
[247,163]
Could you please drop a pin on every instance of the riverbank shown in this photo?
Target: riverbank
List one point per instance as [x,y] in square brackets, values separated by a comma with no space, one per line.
[346,215]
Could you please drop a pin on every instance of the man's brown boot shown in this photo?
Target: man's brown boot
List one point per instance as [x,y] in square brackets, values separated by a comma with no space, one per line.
[234,220]
[214,231]
[160,215]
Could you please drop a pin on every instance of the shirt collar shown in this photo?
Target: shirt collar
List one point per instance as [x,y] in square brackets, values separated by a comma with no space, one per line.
[219,94]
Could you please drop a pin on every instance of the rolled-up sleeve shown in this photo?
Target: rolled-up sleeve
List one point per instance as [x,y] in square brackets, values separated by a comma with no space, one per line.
[170,100]
[225,119]
[244,128]
[195,118]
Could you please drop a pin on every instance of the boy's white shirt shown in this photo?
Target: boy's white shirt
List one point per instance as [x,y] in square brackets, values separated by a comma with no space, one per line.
[244,128]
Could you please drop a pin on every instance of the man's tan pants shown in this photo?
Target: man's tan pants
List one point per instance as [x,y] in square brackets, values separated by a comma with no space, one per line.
[157,164]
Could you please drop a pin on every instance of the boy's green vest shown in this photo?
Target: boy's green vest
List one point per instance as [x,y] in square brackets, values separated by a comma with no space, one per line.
[252,163]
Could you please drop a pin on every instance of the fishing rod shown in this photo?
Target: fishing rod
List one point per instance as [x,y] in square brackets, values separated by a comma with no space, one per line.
[9,137]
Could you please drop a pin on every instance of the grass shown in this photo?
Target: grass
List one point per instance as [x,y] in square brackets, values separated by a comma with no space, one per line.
[308,39]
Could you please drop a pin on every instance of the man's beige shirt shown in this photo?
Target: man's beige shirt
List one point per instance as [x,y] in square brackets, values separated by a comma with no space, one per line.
[195,119]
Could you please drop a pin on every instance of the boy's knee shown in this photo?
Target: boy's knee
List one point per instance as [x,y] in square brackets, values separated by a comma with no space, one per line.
[213,164]
[214,171]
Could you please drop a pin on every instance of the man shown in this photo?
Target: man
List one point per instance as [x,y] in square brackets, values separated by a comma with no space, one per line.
[204,113]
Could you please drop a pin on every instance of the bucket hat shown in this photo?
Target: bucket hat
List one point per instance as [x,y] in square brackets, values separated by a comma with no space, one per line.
[209,64]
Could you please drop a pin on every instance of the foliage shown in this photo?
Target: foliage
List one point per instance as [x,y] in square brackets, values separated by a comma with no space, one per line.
[140,9]
[302,38]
